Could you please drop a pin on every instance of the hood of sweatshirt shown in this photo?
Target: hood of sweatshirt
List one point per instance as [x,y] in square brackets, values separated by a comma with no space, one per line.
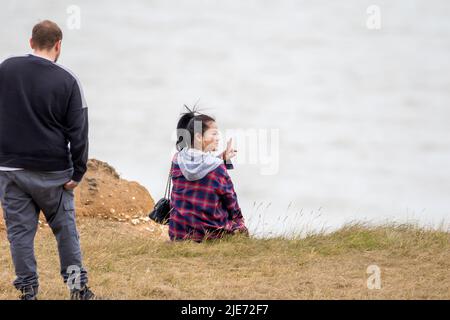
[195,164]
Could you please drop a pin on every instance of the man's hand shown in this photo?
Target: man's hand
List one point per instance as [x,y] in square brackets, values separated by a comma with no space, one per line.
[229,152]
[70,185]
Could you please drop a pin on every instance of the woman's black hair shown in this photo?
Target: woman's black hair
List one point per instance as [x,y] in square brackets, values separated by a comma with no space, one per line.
[186,126]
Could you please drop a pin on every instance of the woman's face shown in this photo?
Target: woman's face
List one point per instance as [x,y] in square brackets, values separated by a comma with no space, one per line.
[210,139]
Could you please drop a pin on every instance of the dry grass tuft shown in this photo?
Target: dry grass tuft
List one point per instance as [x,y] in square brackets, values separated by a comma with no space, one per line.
[127,262]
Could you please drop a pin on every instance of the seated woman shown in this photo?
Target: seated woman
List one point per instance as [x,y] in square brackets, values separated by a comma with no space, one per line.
[204,203]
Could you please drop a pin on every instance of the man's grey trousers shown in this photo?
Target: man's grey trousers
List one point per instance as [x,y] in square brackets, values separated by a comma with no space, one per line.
[23,195]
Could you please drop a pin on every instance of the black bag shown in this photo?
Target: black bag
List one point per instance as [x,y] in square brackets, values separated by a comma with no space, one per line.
[162,209]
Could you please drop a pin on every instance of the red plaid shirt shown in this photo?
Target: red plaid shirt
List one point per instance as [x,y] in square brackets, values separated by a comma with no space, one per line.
[205,208]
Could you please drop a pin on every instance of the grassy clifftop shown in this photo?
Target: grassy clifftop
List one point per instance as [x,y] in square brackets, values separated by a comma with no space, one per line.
[137,262]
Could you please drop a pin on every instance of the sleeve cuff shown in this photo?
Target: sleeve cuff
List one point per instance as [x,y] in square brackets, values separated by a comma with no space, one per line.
[228,165]
[77,176]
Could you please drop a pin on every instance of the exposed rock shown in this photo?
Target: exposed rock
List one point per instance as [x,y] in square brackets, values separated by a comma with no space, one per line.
[103,194]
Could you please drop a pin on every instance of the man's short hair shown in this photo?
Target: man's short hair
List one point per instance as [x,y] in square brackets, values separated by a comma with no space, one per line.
[46,34]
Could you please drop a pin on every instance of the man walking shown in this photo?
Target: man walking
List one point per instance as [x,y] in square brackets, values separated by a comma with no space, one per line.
[43,156]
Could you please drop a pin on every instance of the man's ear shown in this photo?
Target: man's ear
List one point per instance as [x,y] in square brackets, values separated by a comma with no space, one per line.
[31,43]
[58,46]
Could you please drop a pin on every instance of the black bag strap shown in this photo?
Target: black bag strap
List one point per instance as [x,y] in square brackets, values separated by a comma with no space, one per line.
[169,182]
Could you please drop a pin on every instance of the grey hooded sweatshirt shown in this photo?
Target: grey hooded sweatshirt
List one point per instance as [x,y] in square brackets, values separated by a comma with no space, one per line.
[196,164]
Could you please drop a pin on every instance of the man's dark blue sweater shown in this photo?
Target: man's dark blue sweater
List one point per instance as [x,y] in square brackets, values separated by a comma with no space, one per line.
[42,111]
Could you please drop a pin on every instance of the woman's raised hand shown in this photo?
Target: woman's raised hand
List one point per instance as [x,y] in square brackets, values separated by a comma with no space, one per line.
[230,152]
